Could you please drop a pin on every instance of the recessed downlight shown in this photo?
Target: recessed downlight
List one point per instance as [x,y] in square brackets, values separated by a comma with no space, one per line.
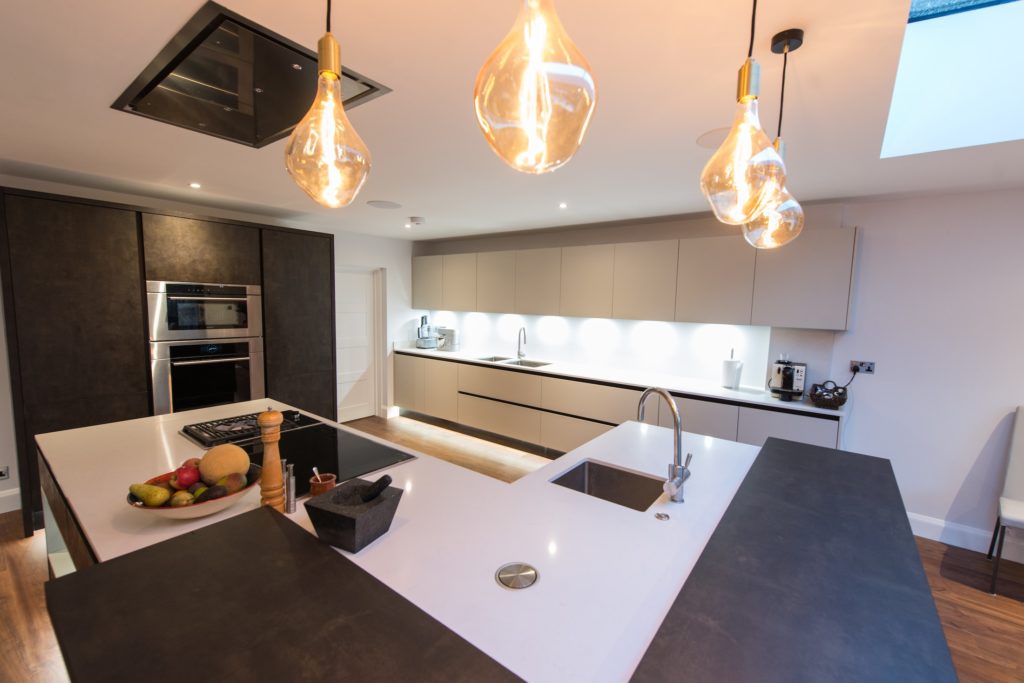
[383,204]
[414,220]
[563,205]
[195,186]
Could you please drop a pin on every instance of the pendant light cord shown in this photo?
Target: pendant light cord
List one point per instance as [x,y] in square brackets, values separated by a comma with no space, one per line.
[328,16]
[782,93]
[753,19]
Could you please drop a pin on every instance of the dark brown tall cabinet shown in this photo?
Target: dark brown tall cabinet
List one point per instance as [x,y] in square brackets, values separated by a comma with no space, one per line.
[298,320]
[75,322]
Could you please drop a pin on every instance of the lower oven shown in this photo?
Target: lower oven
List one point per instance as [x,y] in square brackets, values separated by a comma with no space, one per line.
[197,374]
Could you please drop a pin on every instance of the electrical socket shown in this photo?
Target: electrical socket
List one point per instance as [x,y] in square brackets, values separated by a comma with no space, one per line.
[862,366]
[5,472]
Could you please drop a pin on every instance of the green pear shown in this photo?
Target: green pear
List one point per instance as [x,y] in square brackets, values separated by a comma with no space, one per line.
[151,496]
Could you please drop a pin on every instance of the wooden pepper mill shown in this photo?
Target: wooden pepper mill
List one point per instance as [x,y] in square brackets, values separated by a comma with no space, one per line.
[271,481]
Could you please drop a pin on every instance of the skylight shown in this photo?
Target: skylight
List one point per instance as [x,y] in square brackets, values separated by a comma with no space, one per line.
[952,88]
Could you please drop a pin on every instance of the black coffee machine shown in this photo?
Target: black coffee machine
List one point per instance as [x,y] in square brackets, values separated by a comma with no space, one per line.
[786,380]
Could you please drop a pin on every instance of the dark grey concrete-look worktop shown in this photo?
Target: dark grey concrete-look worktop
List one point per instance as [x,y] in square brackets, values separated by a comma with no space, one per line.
[812,575]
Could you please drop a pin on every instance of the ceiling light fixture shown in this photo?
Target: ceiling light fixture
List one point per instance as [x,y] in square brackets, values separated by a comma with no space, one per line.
[324,155]
[563,205]
[535,94]
[783,219]
[414,220]
[740,177]
[195,186]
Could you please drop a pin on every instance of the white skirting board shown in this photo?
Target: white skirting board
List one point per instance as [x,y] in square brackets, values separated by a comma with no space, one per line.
[10,500]
[968,537]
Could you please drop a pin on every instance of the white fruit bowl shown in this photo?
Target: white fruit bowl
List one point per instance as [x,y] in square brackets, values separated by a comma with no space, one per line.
[209,507]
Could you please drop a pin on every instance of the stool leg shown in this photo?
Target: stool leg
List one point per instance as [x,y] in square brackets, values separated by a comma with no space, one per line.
[992,545]
[999,553]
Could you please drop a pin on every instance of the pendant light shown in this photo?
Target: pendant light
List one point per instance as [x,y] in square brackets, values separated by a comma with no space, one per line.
[535,94]
[783,220]
[324,155]
[741,176]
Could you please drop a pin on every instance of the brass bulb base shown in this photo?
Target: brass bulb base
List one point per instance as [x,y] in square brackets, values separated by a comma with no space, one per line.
[329,55]
[748,86]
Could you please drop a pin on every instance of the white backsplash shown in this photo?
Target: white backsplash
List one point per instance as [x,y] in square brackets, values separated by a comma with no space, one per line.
[688,349]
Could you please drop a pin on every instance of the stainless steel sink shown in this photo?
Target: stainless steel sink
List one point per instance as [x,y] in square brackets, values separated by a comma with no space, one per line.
[526,363]
[622,487]
[494,359]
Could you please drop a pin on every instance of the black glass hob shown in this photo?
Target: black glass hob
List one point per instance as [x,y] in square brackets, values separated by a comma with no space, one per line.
[330,450]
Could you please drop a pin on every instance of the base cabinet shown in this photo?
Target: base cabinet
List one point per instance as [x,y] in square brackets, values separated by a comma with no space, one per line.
[564,433]
[515,422]
[441,389]
[704,417]
[757,425]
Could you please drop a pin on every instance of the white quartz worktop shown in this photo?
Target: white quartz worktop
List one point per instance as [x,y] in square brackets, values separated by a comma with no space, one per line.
[608,574]
[641,379]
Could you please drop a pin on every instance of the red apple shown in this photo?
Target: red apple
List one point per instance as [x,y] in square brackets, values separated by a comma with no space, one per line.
[184,477]
[191,462]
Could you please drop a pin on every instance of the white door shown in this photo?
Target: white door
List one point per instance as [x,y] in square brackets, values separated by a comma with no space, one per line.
[357,385]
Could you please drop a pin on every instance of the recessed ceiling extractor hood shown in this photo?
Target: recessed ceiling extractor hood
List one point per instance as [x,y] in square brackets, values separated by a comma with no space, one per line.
[225,76]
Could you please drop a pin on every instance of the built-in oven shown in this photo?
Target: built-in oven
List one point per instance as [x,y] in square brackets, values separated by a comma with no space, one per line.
[196,374]
[190,310]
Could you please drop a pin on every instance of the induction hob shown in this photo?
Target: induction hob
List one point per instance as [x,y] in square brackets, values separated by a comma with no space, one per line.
[329,450]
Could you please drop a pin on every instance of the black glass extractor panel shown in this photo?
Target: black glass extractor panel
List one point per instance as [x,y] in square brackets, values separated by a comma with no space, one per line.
[329,450]
[227,76]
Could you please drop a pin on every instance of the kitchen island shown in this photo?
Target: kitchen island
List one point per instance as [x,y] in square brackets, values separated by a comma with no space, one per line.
[609,575]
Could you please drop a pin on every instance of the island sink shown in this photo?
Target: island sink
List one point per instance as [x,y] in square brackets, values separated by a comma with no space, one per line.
[619,486]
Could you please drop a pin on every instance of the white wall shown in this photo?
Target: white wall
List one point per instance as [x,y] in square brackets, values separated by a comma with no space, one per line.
[394,257]
[937,305]
[10,495]
[686,349]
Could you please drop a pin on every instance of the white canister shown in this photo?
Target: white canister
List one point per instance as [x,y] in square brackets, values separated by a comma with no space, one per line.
[731,371]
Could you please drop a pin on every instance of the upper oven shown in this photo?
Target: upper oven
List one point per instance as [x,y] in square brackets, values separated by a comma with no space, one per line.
[181,311]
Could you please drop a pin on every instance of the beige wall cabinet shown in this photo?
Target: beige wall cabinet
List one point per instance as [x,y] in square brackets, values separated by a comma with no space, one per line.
[496,281]
[587,281]
[441,389]
[757,425]
[645,280]
[459,282]
[715,281]
[563,433]
[703,417]
[538,281]
[505,419]
[806,284]
[428,282]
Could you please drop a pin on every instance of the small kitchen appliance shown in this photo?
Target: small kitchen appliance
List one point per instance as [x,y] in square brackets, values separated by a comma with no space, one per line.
[426,335]
[447,339]
[786,380]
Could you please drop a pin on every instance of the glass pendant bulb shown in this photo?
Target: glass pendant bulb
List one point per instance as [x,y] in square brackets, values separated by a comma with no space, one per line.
[743,174]
[535,94]
[783,219]
[324,155]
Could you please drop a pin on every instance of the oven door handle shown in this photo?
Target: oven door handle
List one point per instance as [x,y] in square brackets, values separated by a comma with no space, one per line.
[208,362]
[207,298]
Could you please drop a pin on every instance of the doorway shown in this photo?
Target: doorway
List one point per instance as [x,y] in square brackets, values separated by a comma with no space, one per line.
[359,316]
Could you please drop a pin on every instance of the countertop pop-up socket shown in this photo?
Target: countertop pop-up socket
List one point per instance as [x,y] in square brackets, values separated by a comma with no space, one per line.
[678,471]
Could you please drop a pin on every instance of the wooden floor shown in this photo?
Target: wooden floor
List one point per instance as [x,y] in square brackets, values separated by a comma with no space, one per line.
[985,632]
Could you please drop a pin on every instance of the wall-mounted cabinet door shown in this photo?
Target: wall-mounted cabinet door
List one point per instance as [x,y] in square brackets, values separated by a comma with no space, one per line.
[703,417]
[756,425]
[538,281]
[807,282]
[428,282]
[298,320]
[645,280]
[715,283]
[459,282]
[587,281]
[496,281]
[187,250]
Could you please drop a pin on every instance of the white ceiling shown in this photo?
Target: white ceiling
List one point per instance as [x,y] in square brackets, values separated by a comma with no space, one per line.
[665,71]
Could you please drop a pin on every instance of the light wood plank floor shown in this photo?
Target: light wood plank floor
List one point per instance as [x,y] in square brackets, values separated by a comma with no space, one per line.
[984,631]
